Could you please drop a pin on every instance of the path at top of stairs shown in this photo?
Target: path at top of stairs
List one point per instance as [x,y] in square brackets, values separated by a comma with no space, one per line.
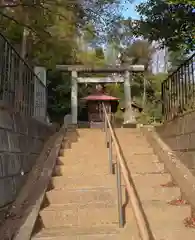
[82,200]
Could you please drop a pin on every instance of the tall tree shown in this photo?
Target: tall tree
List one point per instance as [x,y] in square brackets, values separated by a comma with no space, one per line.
[170,24]
[139,52]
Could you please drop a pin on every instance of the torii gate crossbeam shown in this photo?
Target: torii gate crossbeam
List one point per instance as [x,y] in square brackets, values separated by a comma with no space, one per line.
[126,78]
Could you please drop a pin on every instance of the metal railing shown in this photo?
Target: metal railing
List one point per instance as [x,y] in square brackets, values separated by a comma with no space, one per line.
[178,90]
[20,88]
[121,169]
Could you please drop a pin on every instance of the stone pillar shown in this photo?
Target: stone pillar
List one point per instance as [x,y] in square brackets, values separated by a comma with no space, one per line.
[40,99]
[74,100]
[129,118]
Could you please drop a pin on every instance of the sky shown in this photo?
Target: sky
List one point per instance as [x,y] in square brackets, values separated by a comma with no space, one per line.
[130,11]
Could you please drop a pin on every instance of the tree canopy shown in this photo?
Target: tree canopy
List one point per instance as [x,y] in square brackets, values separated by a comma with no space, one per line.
[51,32]
[169,22]
[189,2]
[53,27]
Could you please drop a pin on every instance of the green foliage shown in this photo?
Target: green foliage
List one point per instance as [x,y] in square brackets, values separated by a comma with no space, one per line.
[171,24]
[99,53]
[152,111]
[188,2]
[54,26]
[139,52]
[115,90]
[176,59]
[62,33]
[145,87]
[59,93]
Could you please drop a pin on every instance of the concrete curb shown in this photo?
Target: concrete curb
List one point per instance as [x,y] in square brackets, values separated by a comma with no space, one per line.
[30,194]
[179,172]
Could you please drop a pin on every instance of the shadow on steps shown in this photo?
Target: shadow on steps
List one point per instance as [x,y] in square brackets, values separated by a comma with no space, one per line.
[50,186]
[45,203]
[39,225]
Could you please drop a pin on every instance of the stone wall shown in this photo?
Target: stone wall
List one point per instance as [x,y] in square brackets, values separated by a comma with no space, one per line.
[21,141]
[179,134]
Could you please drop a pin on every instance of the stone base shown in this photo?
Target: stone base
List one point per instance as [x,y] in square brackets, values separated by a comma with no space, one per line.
[129,125]
[83,124]
[72,126]
[97,125]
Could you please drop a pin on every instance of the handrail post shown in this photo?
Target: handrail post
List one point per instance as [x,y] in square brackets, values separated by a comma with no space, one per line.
[119,195]
[106,131]
[110,153]
[122,169]
[104,120]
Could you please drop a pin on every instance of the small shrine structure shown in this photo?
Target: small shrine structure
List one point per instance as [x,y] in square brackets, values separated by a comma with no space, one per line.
[95,106]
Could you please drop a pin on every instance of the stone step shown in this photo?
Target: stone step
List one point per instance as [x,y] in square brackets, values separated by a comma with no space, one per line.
[62,216]
[136,148]
[132,138]
[150,179]
[91,142]
[133,144]
[180,232]
[87,181]
[134,132]
[145,167]
[87,237]
[79,196]
[60,232]
[166,221]
[88,158]
[149,187]
[82,163]
[159,212]
[79,147]
[82,155]
[141,157]
[79,159]
[159,194]
[83,170]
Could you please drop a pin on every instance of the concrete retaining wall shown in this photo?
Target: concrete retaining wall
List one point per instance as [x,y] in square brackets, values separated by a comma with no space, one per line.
[179,134]
[21,141]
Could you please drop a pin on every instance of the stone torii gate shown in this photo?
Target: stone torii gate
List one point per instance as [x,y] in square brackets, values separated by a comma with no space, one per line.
[118,75]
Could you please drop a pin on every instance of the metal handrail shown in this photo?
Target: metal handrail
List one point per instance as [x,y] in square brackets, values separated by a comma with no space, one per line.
[121,168]
[178,94]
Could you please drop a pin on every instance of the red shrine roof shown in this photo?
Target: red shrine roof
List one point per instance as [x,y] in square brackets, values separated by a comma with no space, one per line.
[100,97]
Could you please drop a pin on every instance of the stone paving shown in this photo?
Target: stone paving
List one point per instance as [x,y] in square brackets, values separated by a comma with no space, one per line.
[165,221]
[82,201]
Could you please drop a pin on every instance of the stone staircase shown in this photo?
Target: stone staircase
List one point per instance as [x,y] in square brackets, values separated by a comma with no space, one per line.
[165,220]
[81,202]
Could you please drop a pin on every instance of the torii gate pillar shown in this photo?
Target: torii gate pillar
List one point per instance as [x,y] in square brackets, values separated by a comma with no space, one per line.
[129,118]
